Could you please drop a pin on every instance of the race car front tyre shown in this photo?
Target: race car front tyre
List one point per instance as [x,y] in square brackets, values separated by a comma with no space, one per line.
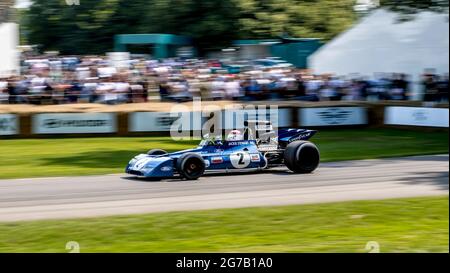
[156,152]
[302,157]
[191,166]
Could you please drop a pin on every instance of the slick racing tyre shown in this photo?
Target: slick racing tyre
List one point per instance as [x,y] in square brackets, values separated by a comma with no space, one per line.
[156,152]
[191,166]
[302,157]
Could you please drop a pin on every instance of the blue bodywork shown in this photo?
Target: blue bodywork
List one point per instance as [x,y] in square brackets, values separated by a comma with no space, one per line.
[219,157]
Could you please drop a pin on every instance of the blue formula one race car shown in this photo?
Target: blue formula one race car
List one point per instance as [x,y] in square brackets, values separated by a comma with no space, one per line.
[257,148]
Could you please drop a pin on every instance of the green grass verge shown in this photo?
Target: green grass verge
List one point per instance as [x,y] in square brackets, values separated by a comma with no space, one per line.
[86,156]
[398,225]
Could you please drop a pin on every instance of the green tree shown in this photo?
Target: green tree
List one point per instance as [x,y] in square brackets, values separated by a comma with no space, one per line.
[91,26]
[71,29]
[298,18]
[212,24]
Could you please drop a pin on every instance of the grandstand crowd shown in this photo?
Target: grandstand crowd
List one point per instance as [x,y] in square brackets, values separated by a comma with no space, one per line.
[65,80]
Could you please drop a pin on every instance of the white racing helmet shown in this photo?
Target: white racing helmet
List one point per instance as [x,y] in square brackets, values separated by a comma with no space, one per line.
[235,135]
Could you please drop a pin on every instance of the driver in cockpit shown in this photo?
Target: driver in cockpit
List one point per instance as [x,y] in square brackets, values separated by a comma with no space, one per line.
[235,135]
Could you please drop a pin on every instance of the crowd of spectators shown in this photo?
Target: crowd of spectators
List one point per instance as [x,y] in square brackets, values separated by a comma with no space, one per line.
[97,80]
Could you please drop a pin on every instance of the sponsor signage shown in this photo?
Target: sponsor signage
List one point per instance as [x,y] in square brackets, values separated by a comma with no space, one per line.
[194,121]
[9,125]
[417,116]
[333,116]
[234,119]
[164,121]
[74,123]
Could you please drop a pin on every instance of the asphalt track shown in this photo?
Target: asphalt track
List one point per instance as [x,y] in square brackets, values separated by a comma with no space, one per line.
[79,197]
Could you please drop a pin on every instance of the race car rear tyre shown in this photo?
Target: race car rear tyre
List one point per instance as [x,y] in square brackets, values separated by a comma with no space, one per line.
[302,157]
[191,166]
[156,152]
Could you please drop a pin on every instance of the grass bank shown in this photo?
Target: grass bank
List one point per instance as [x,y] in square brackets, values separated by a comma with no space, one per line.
[89,156]
[398,225]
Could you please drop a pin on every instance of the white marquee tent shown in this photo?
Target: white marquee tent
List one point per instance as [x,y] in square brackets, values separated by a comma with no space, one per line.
[380,43]
[9,56]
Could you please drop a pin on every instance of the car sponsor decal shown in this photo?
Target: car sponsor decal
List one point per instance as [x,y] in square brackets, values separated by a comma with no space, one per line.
[238,143]
[216,160]
[255,158]
[240,160]
[166,169]
[301,137]
[266,148]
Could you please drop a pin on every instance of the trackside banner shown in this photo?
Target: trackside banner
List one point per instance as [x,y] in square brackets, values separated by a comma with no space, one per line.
[333,116]
[9,125]
[74,123]
[163,121]
[234,119]
[194,121]
[417,116]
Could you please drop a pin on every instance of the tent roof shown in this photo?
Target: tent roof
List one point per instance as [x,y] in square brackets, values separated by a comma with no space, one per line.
[380,43]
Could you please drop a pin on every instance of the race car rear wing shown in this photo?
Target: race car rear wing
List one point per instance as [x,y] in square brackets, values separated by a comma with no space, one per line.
[264,131]
[287,136]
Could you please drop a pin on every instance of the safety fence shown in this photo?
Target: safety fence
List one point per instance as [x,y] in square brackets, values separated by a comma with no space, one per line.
[137,122]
